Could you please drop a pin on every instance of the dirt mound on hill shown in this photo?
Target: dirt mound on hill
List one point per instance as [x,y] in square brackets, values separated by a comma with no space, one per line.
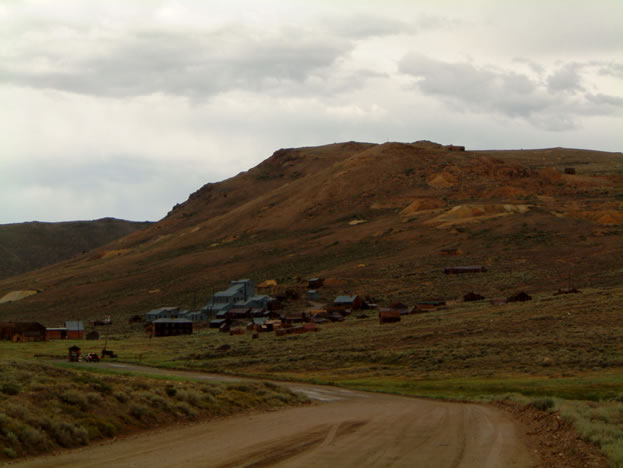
[605,217]
[422,204]
[443,180]
[507,192]
[471,213]
[550,175]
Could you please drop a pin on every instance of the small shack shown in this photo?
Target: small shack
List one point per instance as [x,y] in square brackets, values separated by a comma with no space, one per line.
[315,283]
[389,316]
[312,295]
[74,353]
[93,335]
[172,327]
[348,302]
[472,296]
[457,270]
[455,148]
[570,170]
[519,297]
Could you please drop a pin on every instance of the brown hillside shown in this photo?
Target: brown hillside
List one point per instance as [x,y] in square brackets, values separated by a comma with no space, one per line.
[27,246]
[372,216]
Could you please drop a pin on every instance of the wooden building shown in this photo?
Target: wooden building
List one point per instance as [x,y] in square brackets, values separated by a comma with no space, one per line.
[315,283]
[75,329]
[22,331]
[172,327]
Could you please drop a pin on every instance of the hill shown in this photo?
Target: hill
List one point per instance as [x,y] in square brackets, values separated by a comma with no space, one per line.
[370,217]
[28,246]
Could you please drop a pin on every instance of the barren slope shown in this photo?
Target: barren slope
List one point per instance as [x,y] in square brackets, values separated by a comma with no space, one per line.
[373,216]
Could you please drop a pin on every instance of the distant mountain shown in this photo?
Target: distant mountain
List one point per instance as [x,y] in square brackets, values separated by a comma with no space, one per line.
[28,246]
[372,218]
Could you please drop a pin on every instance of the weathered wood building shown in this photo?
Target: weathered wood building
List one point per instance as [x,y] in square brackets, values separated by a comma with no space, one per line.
[22,331]
[172,327]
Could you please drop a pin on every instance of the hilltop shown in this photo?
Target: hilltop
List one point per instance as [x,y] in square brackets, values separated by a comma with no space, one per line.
[371,217]
[32,245]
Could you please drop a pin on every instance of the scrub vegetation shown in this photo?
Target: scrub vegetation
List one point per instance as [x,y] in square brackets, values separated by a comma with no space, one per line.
[45,408]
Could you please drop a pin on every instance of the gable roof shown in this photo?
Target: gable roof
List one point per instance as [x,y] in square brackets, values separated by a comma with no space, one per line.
[345,299]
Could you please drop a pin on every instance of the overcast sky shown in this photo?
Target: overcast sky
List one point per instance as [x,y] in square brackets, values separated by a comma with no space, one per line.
[123,108]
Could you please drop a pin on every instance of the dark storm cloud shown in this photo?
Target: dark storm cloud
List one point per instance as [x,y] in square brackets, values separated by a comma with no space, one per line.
[196,64]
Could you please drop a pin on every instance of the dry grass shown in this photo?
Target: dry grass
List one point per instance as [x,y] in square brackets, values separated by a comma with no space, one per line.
[51,407]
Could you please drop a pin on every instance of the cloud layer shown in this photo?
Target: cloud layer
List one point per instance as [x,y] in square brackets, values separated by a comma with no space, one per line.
[124,108]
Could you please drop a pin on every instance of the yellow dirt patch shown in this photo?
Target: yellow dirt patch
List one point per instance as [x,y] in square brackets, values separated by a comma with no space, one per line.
[461,214]
[508,192]
[422,204]
[17,295]
[354,222]
[442,180]
[114,253]
[606,217]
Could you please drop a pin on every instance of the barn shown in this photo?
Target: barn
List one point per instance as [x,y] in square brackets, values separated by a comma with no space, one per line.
[519,297]
[22,331]
[172,327]
[348,302]
[75,329]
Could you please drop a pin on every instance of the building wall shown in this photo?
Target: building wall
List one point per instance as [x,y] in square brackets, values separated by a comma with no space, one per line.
[56,334]
[172,329]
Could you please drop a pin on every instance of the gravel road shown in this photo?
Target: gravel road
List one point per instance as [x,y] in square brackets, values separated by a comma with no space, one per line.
[342,428]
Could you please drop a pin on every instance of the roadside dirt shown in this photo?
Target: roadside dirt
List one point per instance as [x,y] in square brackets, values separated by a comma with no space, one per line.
[555,439]
[342,428]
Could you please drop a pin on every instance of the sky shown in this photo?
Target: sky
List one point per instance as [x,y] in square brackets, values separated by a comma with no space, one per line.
[124,108]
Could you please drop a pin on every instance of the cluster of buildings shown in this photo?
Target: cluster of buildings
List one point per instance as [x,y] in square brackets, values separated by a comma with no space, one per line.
[34,331]
[238,301]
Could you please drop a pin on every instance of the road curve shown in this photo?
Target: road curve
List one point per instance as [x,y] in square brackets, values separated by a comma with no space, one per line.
[348,429]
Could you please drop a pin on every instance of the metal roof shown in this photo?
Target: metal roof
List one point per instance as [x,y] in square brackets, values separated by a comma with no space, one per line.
[74,325]
[229,292]
[162,309]
[344,299]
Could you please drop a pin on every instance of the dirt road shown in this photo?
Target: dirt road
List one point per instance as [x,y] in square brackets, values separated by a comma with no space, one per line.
[343,429]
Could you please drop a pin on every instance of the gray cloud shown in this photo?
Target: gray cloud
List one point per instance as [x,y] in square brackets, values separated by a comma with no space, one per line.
[611,69]
[362,26]
[195,64]
[566,79]
[467,87]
